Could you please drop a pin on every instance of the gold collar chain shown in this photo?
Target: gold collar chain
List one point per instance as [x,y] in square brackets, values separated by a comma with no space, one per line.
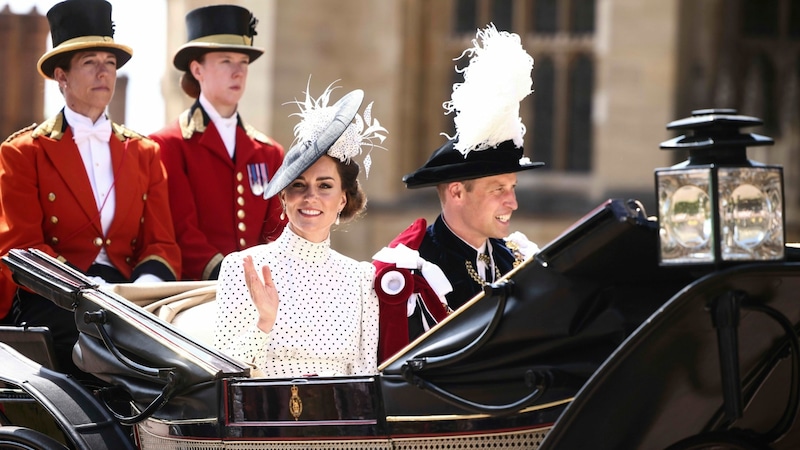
[474,274]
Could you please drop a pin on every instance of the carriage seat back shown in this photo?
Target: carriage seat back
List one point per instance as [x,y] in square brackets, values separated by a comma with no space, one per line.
[187,305]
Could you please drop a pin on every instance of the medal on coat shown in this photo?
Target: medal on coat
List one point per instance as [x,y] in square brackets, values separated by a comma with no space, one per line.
[257,173]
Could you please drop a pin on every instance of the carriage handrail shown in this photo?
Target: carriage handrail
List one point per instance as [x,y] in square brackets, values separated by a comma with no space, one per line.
[539,382]
[413,366]
[155,405]
[98,318]
[501,289]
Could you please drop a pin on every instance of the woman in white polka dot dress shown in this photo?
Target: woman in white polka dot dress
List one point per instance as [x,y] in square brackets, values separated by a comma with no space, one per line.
[311,311]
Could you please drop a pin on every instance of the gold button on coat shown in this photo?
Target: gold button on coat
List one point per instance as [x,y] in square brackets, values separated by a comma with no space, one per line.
[242,242]
[144,196]
[240,189]
[239,176]
[54,219]
[241,226]
[98,241]
[54,240]
[240,214]
[51,196]
[240,201]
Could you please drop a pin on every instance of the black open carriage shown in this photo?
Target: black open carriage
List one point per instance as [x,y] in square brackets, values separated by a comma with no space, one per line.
[498,372]
[590,344]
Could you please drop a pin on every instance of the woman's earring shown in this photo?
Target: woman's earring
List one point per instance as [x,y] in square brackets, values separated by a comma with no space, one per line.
[283,212]
[338,214]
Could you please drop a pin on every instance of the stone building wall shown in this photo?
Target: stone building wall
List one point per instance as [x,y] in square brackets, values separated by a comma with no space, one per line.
[645,55]
[23,38]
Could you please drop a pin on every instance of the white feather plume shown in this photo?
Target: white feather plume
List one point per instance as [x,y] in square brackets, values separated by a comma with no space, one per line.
[316,114]
[486,104]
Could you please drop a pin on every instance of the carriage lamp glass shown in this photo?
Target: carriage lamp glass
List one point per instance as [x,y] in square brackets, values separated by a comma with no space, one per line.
[685,210]
[751,213]
[749,205]
[718,206]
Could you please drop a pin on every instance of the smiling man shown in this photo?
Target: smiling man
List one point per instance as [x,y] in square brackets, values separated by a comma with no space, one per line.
[428,271]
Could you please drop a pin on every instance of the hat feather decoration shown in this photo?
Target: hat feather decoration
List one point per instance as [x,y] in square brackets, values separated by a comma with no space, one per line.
[315,115]
[486,104]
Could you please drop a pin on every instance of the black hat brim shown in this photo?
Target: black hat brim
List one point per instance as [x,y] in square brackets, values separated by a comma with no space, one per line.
[192,51]
[304,154]
[448,164]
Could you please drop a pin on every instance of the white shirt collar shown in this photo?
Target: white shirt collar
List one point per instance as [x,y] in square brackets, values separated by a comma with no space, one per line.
[226,126]
[75,119]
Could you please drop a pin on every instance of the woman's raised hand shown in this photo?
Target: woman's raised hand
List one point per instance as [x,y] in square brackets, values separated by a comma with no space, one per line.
[264,294]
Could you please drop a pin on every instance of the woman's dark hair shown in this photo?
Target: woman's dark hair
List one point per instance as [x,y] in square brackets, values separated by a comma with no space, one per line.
[356,198]
[63,61]
[189,83]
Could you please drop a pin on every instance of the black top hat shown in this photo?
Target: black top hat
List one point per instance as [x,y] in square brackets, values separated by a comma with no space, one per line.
[304,154]
[215,29]
[81,25]
[448,164]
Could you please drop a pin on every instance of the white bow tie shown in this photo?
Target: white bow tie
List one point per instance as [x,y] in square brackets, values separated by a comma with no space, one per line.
[99,131]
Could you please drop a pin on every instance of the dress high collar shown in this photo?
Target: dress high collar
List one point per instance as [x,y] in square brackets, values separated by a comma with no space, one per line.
[303,249]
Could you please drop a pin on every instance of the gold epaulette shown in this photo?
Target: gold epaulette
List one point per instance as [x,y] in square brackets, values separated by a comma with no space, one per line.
[52,128]
[18,132]
[190,125]
[519,258]
[252,133]
[124,133]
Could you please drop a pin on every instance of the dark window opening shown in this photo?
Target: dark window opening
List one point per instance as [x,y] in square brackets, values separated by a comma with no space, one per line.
[794,19]
[541,134]
[760,18]
[579,124]
[501,14]
[770,105]
[582,17]
[466,16]
[544,18]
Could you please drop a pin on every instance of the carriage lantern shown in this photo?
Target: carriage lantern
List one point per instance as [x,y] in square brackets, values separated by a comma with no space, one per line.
[718,207]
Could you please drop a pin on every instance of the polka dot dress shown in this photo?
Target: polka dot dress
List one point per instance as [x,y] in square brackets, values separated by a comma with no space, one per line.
[327,321]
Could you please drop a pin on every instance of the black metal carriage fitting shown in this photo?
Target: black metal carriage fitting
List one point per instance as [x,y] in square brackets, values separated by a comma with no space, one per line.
[725,311]
[725,318]
[501,290]
[790,413]
[98,319]
[714,136]
[537,380]
[155,405]
[410,370]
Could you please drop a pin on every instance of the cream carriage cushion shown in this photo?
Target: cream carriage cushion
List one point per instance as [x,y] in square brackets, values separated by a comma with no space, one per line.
[188,305]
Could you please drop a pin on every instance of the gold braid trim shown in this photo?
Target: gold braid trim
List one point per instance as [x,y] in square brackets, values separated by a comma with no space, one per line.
[211,264]
[518,257]
[162,261]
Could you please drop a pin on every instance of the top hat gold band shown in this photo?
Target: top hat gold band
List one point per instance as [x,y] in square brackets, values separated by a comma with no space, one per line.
[82,39]
[225,39]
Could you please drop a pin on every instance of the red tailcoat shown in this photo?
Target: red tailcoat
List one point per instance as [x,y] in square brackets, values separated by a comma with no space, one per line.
[46,202]
[214,206]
